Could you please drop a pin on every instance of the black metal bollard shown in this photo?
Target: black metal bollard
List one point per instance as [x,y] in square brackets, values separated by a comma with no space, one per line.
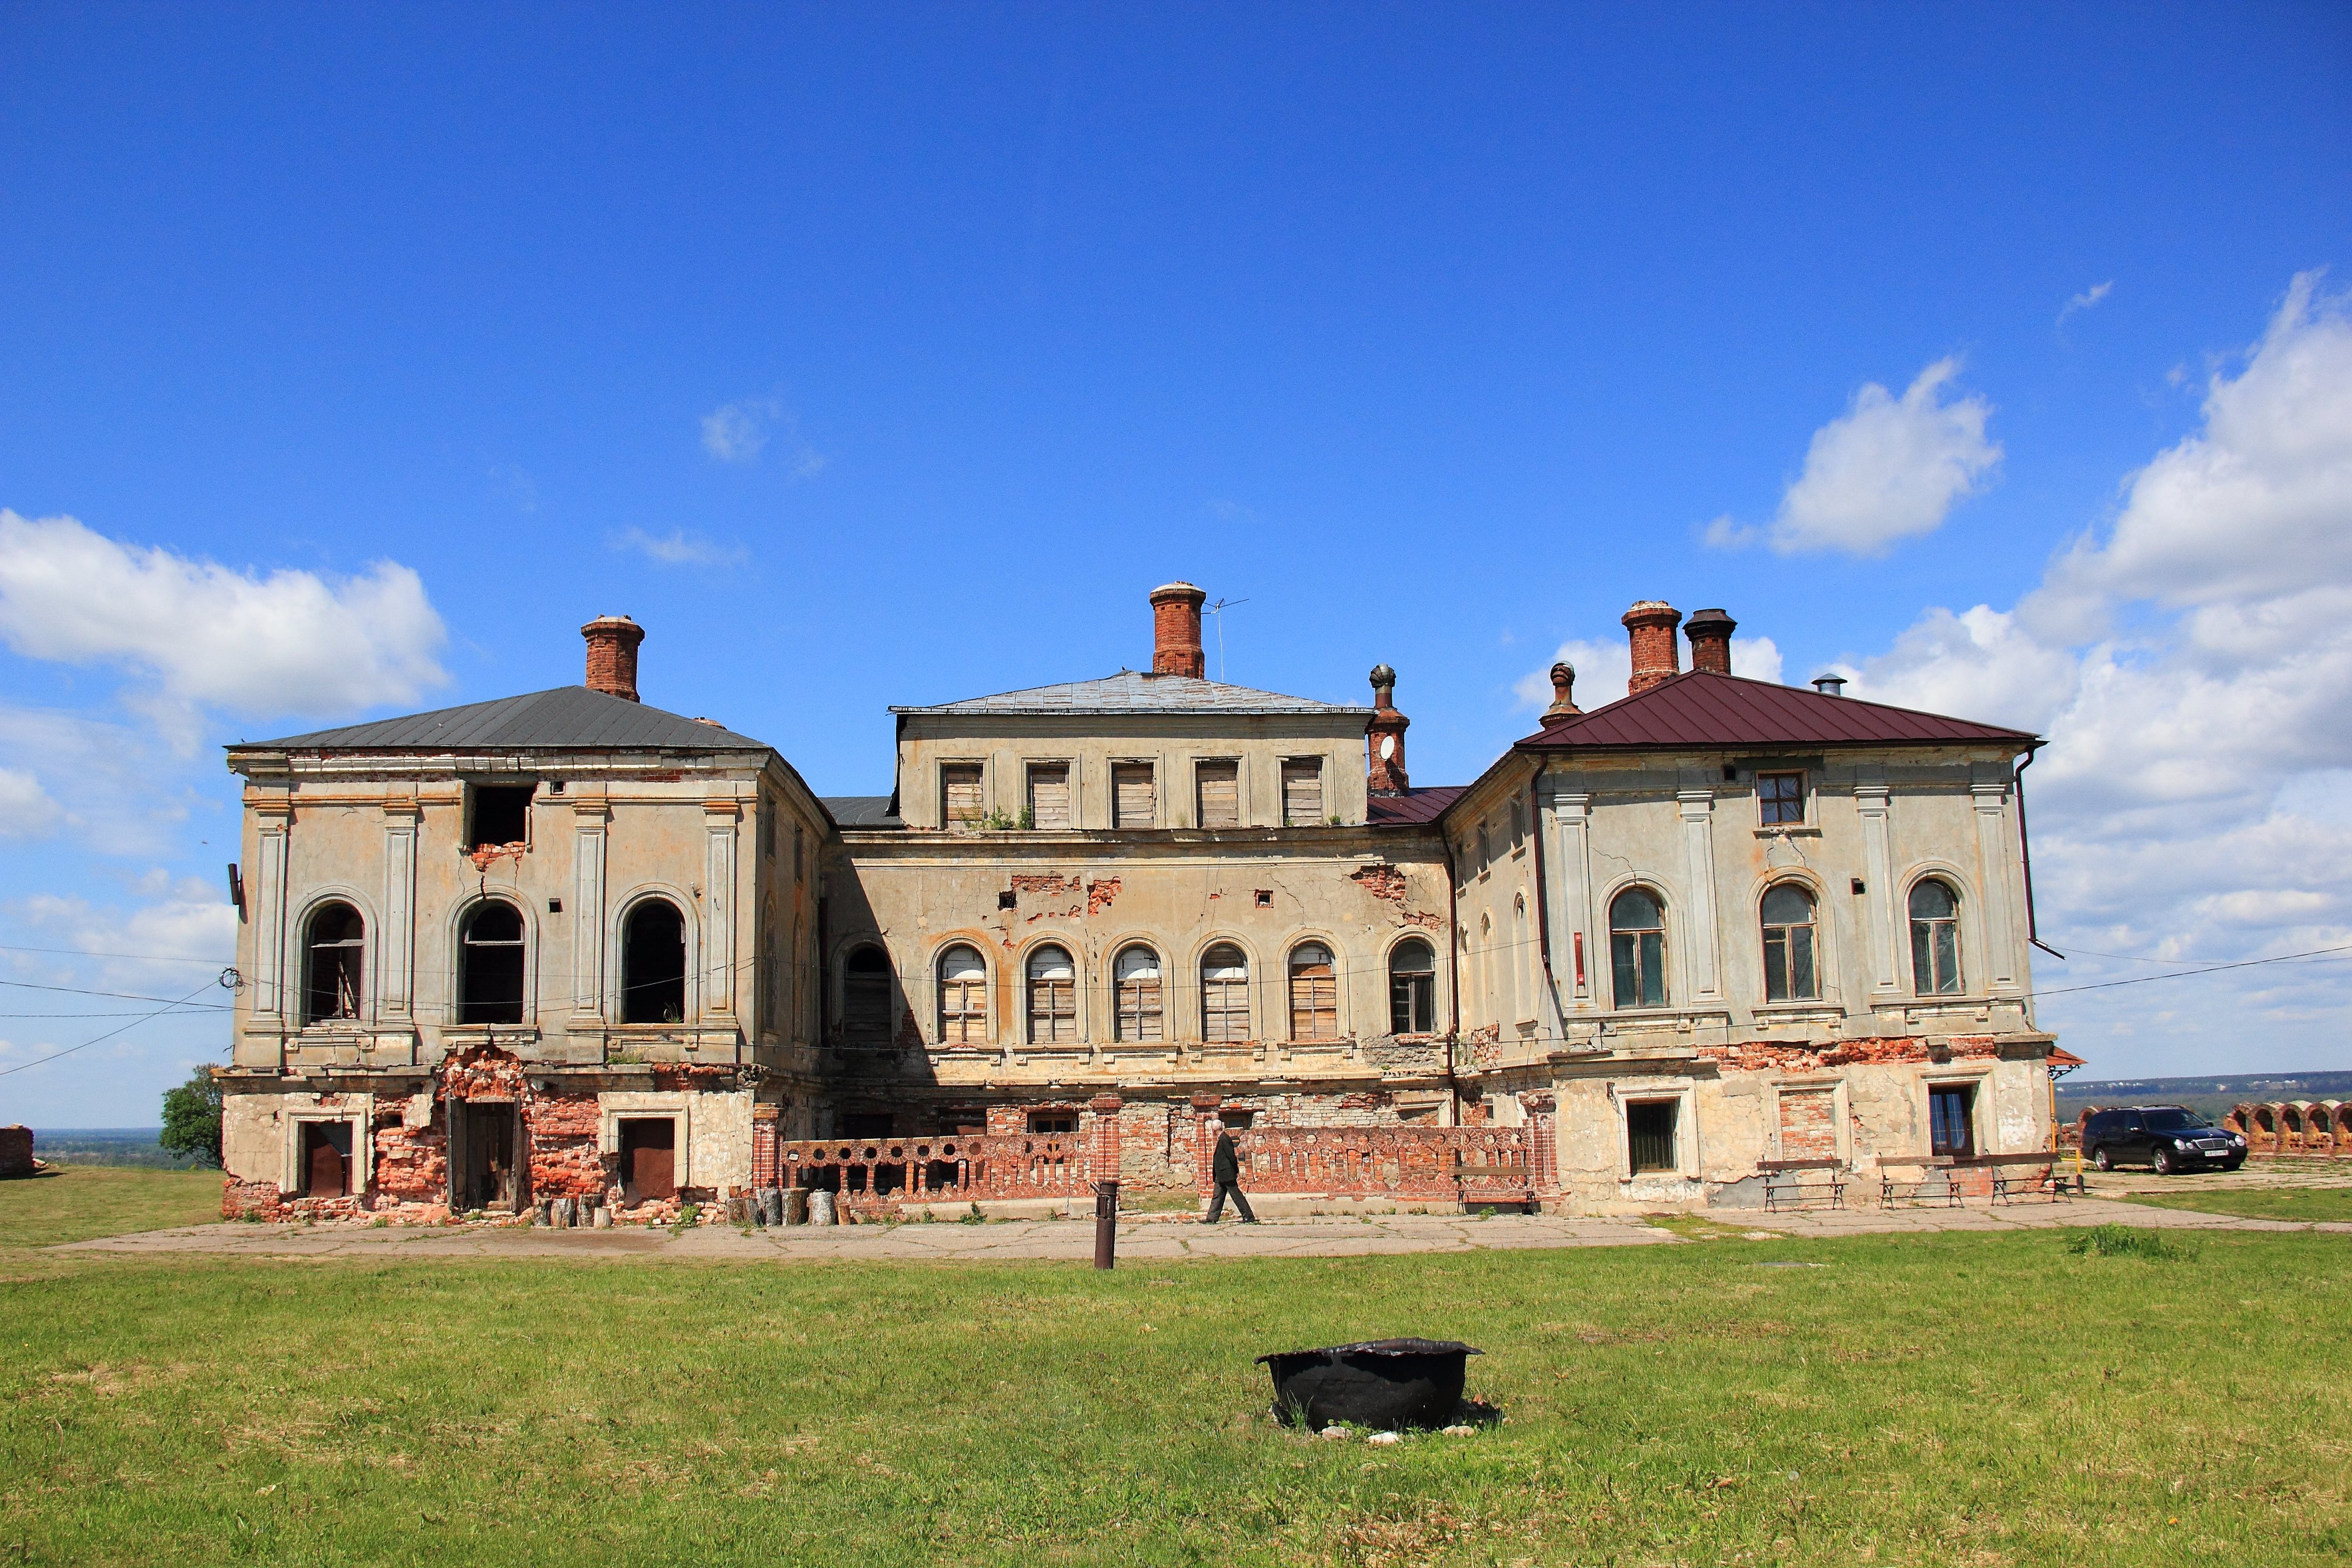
[1106,1225]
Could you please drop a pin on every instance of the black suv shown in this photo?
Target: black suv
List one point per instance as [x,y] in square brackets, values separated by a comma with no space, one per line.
[2169,1137]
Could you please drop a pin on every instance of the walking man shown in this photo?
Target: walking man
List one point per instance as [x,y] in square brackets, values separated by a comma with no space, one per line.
[1226,1167]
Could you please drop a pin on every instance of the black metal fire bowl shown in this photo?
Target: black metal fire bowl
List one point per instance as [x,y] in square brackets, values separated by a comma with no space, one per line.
[1389,1383]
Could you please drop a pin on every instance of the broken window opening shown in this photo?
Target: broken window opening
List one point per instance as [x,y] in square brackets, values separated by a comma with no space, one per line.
[1951,1119]
[1412,987]
[1790,974]
[1224,994]
[1934,939]
[326,1159]
[1053,1122]
[486,1165]
[859,1124]
[336,952]
[490,965]
[1314,993]
[1049,796]
[1637,949]
[649,1158]
[1141,1008]
[1135,798]
[1781,798]
[1219,784]
[1053,997]
[963,997]
[961,808]
[1302,792]
[501,815]
[653,963]
[1650,1135]
[866,997]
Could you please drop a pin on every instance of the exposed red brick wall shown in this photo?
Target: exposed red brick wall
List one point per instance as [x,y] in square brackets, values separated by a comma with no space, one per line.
[15,1151]
[613,655]
[1176,630]
[1807,1123]
[1656,657]
[1710,632]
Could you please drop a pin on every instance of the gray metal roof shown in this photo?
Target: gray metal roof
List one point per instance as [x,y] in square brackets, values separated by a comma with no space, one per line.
[567,718]
[1132,691]
[861,810]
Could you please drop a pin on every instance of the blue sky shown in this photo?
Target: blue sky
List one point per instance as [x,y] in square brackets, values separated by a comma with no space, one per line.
[871,355]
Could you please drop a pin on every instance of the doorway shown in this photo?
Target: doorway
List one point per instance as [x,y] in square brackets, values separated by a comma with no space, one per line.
[648,1159]
[326,1159]
[485,1137]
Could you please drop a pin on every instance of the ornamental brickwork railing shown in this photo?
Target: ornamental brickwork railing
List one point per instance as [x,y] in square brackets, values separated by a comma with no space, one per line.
[1446,1165]
[882,1173]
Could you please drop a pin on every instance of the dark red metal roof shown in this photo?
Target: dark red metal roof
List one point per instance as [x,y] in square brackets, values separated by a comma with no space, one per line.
[1412,808]
[1701,708]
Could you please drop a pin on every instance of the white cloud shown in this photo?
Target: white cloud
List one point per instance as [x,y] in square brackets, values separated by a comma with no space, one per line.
[1886,469]
[678,547]
[516,486]
[186,924]
[740,432]
[290,642]
[1605,668]
[2085,300]
[25,809]
[2192,669]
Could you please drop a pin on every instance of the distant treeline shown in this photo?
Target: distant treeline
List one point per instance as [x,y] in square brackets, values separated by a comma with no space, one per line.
[2213,1095]
[107,1146]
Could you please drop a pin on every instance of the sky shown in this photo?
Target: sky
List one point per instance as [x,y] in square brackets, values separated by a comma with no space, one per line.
[1998,358]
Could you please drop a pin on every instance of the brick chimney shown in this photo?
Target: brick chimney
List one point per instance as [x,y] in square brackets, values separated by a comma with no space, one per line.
[1656,657]
[1384,738]
[1563,701]
[613,655]
[1176,630]
[1710,632]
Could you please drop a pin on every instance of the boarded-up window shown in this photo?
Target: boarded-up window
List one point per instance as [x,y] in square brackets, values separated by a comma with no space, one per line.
[1302,792]
[1140,1007]
[959,805]
[1221,794]
[963,997]
[1134,802]
[1053,997]
[1807,1123]
[866,997]
[1224,994]
[1314,993]
[1049,795]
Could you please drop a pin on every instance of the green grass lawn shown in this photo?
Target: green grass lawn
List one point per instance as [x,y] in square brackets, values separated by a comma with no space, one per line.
[2317,1203]
[75,1203]
[1973,1400]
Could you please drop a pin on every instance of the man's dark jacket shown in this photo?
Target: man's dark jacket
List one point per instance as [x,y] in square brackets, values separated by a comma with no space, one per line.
[1227,1166]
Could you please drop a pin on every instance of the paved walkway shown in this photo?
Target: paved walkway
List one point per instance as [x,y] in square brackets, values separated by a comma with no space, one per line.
[1144,1238]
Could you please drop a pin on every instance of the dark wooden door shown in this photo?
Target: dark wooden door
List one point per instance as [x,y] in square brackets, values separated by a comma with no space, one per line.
[649,1159]
[326,1168]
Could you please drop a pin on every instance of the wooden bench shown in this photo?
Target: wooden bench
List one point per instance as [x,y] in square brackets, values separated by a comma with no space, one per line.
[1801,1184]
[2052,1183]
[1935,1180]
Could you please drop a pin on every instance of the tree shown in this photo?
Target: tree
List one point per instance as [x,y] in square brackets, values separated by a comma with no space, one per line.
[192,1117]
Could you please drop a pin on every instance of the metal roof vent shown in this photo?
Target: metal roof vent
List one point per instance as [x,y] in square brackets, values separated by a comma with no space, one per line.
[1830,685]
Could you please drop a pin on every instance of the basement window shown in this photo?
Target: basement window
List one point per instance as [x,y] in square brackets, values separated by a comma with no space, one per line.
[500,814]
[1650,1135]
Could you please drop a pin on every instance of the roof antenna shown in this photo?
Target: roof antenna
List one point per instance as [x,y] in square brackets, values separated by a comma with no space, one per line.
[1213,610]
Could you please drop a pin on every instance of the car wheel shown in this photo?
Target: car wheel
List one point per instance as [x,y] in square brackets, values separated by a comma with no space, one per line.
[2234,1165]
[2165,1163]
[2101,1158]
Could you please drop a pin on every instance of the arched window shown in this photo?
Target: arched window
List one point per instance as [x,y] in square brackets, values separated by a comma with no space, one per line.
[1789,973]
[1053,997]
[1412,987]
[334,950]
[1140,1011]
[1224,994]
[866,997]
[1637,949]
[489,965]
[963,997]
[653,963]
[1314,993]
[1935,940]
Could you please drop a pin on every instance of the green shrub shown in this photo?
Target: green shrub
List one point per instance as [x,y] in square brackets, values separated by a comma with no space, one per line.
[690,1216]
[192,1118]
[2123,1241]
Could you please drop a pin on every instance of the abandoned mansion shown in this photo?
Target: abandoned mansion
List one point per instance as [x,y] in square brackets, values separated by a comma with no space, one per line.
[569,947]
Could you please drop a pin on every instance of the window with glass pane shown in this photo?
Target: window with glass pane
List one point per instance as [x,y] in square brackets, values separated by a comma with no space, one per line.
[1789,972]
[1314,993]
[1935,940]
[1224,994]
[1137,973]
[963,997]
[1650,1135]
[1053,997]
[865,997]
[338,939]
[1637,949]
[1413,989]
[1951,1119]
[1780,796]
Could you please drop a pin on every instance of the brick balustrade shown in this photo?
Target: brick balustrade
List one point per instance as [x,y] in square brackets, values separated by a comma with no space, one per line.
[879,1172]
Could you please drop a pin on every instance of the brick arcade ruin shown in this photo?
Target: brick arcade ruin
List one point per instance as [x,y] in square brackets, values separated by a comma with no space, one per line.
[567,946]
